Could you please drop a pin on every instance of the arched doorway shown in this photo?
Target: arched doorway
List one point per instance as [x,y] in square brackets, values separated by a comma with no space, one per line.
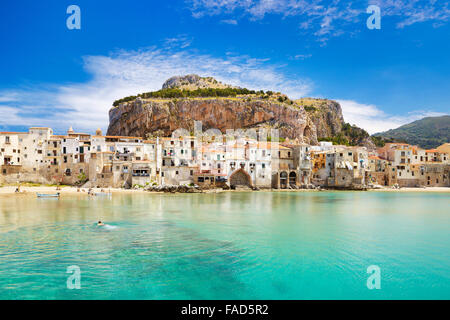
[240,178]
[292,178]
[283,180]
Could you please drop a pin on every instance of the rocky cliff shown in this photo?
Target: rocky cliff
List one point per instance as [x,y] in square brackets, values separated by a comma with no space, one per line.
[185,99]
[161,117]
[325,114]
[192,82]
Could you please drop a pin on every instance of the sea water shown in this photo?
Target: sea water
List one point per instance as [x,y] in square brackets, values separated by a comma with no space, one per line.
[250,245]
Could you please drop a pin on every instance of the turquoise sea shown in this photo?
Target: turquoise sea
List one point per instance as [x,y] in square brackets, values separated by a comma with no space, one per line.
[250,245]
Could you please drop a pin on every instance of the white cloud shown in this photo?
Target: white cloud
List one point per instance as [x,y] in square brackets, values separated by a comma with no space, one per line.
[181,41]
[327,18]
[374,120]
[8,97]
[301,57]
[230,21]
[85,106]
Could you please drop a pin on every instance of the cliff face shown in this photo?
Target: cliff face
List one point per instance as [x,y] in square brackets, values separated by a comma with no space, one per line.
[163,116]
[325,114]
[330,125]
[193,81]
[177,106]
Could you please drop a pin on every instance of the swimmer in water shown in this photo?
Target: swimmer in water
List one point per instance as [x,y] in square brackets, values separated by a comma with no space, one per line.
[100,223]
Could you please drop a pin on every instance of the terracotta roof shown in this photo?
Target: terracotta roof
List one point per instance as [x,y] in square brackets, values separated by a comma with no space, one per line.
[122,137]
[13,132]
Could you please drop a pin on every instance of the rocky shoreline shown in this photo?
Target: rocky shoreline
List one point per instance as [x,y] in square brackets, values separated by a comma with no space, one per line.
[198,189]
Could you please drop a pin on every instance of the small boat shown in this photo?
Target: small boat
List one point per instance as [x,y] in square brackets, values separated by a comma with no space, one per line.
[102,194]
[48,195]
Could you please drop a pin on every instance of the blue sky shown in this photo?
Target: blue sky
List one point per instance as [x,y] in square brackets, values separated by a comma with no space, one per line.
[53,76]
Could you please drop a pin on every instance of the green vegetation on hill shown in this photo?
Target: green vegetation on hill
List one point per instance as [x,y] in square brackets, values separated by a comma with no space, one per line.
[349,136]
[181,93]
[427,133]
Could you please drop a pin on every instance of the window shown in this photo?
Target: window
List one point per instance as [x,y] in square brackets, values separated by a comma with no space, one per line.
[192,172]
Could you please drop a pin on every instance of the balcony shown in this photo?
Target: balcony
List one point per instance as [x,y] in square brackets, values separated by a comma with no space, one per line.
[135,174]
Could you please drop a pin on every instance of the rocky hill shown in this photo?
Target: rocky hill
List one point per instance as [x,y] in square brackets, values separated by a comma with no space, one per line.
[185,99]
[192,82]
[427,133]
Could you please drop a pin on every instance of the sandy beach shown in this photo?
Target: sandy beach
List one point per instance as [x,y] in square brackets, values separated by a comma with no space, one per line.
[8,190]
[430,189]
[27,190]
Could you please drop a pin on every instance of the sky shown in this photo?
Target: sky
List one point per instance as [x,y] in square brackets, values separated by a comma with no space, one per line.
[54,76]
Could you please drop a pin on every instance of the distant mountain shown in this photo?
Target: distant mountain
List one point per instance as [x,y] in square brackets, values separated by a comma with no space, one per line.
[427,133]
